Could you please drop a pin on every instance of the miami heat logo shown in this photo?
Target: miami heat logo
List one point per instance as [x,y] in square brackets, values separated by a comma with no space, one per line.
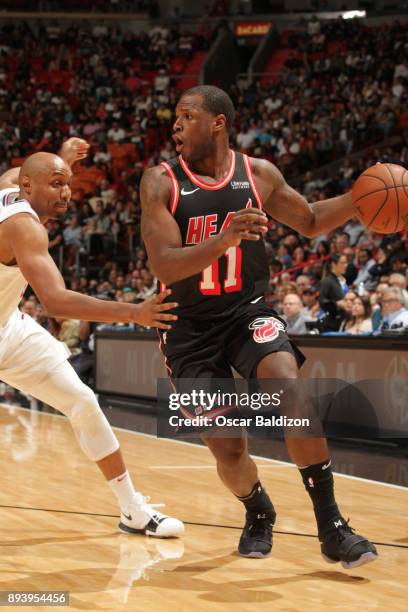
[266,329]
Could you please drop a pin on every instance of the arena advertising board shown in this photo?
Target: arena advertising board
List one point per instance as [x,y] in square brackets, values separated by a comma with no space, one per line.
[252,28]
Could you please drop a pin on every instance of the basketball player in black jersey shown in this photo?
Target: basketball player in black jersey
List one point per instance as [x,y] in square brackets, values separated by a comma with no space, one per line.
[202,223]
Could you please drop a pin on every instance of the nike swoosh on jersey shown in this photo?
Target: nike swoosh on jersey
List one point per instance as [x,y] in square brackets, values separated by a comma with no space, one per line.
[183,192]
[257,300]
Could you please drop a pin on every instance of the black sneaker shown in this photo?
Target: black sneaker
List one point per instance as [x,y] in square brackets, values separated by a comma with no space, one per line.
[341,543]
[256,538]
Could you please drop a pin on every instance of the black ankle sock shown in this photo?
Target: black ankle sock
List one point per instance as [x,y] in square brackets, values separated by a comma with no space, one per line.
[318,481]
[258,501]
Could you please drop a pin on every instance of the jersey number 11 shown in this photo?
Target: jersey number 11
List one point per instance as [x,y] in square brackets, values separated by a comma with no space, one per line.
[210,281]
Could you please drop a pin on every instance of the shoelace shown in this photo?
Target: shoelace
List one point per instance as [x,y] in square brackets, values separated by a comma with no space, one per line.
[343,530]
[260,527]
[148,508]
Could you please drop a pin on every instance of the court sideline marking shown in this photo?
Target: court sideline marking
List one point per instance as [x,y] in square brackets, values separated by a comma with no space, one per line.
[93,514]
[278,461]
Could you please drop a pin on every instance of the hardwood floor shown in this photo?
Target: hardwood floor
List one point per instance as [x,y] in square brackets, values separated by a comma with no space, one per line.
[59,531]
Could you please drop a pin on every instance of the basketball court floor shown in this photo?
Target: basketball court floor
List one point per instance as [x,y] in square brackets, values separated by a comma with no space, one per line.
[59,531]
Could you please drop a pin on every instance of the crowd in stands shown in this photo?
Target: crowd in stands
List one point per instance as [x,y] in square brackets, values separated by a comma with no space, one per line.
[343,87]
[108,84]
[331,98]
[91,6]
[113,87]
[340,90]
[352,282]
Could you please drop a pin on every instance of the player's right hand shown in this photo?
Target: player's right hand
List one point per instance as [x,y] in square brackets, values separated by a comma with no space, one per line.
[153,313]
[74,149]
[245,224]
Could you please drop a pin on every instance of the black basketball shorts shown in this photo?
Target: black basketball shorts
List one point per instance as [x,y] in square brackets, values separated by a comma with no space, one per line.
[210,349]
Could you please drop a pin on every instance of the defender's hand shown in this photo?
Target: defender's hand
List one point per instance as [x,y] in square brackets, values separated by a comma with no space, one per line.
[153,313]
[246,224]
[73,150]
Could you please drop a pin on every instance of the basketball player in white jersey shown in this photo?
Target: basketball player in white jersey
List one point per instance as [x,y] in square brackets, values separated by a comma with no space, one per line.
[34,362]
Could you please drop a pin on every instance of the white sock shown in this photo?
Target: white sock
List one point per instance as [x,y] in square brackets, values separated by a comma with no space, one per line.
[122,487]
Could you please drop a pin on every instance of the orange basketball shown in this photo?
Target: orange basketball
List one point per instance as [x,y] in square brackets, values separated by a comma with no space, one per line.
[380,196]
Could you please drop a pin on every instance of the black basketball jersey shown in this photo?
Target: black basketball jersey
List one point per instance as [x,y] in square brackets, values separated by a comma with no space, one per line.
[201,210]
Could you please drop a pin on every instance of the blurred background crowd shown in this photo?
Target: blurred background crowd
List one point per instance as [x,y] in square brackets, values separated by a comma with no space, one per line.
[340,94]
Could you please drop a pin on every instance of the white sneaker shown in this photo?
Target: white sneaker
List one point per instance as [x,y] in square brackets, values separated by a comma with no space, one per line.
[141,517]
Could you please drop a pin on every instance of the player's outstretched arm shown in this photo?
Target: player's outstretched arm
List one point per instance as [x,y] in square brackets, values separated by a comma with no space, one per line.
[29,243]
[169,260]
[287,206]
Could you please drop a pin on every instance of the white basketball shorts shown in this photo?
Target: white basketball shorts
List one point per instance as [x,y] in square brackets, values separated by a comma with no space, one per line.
[28,353]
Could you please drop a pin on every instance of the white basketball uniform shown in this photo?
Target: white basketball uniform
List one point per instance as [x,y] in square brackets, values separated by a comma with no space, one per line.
[27,351]
[34,362]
